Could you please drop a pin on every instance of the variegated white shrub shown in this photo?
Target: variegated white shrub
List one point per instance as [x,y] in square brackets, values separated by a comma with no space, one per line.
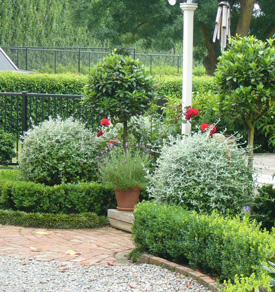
[202,173]
[58,151]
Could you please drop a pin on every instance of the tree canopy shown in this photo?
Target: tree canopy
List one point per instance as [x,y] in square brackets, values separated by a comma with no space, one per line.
[39,23]
[246,77]
[158,25]
[153,25]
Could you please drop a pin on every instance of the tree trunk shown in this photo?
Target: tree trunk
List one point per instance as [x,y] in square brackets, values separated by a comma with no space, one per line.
[210,61]
[245,17]
[250,140]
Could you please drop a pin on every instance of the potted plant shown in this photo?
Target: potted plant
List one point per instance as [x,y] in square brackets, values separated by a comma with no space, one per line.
[125,171]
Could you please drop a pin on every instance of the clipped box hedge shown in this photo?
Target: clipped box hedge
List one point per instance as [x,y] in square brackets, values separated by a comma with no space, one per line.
[42,83]
[223,247]
[73,83]
[58,199]
[173,86]
[62,221]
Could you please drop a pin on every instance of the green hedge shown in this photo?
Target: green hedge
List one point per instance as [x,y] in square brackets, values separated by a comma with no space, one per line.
[42,83]
[173,86]
[84,220]
[224,247]
[73,83]
[58,199]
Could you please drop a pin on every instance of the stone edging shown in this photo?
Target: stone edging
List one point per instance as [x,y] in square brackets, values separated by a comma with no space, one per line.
[204,280]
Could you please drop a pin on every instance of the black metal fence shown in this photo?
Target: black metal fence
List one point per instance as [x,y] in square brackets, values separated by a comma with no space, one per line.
[80,60]
[20,110]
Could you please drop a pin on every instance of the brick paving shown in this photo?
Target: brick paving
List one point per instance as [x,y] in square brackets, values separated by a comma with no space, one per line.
[85,246]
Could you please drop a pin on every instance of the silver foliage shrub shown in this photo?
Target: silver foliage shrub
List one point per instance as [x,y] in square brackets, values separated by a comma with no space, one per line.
[57,151]
[202,173]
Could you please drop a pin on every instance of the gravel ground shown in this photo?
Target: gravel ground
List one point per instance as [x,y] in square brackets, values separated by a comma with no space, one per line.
[17,275]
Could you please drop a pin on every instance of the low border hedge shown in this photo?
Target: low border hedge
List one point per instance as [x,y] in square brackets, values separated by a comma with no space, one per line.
[223,247]
[62,221]
[59,199]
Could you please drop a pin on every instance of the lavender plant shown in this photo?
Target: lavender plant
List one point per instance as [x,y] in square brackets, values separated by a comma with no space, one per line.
[124,169]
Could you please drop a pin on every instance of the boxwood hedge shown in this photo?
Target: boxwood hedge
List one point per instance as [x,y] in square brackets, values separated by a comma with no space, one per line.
[223,247]
[42,83]
[58,199]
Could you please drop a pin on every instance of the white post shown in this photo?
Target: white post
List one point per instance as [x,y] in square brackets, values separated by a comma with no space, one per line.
[188,25]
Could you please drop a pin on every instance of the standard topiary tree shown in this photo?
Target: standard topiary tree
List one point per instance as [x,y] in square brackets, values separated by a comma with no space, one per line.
[58,152]
[119,87]
[246,77]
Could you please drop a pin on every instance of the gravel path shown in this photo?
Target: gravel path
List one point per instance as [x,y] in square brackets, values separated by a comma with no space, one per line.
[17,275]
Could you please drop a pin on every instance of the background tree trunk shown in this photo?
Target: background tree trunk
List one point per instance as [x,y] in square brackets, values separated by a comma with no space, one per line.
[210,61]
[245,17]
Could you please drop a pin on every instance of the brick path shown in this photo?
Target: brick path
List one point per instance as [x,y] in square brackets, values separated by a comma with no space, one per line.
[86,246]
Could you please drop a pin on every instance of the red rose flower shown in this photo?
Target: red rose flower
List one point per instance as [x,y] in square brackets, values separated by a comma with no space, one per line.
[100,133]
[214,130]
[191,112]
[204,127]
[105,122]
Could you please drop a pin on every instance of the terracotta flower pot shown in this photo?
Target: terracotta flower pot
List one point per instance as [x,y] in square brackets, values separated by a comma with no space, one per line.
[127,199]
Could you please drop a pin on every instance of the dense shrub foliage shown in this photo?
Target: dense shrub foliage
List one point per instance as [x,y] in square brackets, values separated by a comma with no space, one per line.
[264,206]
[58,152]
[241,284]
[202,173]
[6,147]
[58,199]
[224,247]
[208,105]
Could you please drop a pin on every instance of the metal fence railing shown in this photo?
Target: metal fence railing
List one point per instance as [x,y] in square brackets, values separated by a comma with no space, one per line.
[20,110]
[80,60]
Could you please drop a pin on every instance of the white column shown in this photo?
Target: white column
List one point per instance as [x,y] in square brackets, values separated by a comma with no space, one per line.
[188,27]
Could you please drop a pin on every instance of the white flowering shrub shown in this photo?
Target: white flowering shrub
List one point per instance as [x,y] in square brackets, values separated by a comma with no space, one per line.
[58,152]
[202,173]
